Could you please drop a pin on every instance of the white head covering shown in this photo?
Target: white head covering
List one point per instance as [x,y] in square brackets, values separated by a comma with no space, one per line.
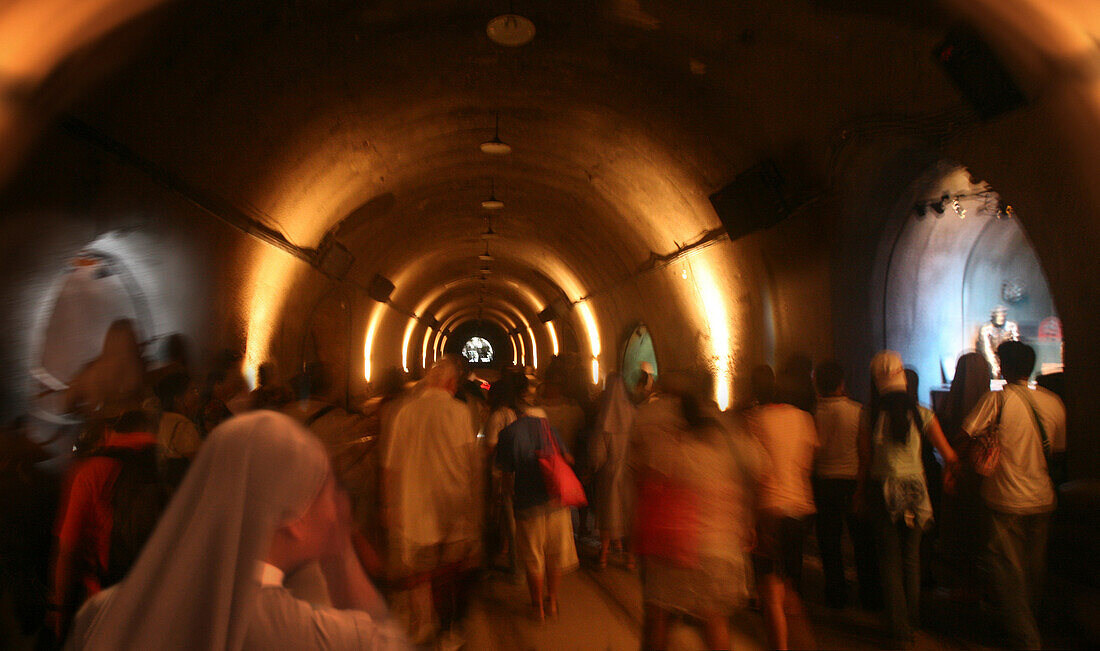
[195,584]
[888,372]
[616,411]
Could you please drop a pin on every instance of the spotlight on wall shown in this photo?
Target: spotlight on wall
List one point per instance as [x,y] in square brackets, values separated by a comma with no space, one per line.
[496,146]
[957,206]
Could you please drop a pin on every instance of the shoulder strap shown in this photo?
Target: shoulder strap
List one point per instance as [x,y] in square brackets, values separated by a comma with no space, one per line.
[318,415]
[1038,424]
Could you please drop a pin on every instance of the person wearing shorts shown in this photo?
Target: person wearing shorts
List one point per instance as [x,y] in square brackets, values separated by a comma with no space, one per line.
[544,528]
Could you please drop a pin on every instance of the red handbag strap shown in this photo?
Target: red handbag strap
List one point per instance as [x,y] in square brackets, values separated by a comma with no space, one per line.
[545,425]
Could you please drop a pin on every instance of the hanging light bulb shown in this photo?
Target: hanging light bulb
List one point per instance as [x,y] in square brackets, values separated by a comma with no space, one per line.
[492,203]
[511,30]
[489,233]
[496,146]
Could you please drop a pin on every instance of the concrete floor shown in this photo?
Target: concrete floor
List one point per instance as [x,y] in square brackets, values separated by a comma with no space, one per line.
[603,610]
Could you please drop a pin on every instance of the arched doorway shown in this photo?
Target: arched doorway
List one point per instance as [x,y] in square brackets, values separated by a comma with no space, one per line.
[959,253]
[638,356]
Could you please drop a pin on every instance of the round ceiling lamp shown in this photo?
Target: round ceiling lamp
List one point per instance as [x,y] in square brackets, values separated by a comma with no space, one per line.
[492,203]
[496,146]
[510,30]
[489,233]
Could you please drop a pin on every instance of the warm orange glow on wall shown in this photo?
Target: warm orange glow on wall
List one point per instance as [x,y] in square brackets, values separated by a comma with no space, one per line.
[713,309]
[368,344]
[553,337]
[593,338]
[405,344]
[273,274]
[534,348]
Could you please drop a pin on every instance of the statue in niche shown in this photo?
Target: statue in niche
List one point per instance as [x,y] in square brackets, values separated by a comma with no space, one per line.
[993,334]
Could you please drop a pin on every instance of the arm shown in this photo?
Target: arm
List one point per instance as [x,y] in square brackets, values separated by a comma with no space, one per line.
[950,459]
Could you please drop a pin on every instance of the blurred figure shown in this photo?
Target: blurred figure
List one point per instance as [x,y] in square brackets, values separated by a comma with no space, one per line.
[269,393]
[27,512]
[229,384]
[607,450]
[960,530]
[836,468]
[565,415]
[214,413]
[894,488]
[109,385]
[795,383]
[380,411]
[343,434]
[177,436]
[786,502]
[1019,496]
[259,503]
[506,400]
[544,529]
[111,503]
[646,386]
[175,358]
[432,500]
[693,515]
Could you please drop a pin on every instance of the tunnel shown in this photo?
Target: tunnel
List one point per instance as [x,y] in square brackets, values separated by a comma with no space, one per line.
[703,186]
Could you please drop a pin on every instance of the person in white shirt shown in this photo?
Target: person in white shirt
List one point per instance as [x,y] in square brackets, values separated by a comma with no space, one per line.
[836,469]
[1019,496]
[785,502]
[260,501]
[433,505]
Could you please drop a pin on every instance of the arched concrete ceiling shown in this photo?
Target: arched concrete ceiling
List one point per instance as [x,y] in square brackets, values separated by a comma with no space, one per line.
[624,116]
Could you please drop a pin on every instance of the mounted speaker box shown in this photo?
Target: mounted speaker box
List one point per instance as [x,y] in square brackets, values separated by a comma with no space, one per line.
[559,309]
[757,199]
[380,288]
[333,258]
[978,74]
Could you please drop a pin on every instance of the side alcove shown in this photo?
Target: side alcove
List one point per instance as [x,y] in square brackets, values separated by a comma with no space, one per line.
[959,253]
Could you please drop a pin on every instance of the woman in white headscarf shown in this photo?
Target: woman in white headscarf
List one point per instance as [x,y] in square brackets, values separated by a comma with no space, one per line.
[259,502]
[608,461]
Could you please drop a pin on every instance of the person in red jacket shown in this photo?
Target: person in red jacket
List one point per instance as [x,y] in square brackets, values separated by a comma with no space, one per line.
[86,516]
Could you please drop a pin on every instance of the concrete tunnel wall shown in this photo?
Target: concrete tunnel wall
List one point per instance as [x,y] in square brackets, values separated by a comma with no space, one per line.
[819,267]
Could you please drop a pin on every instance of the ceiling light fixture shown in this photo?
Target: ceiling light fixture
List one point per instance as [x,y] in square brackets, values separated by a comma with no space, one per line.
[489,233]
[496,146]
[492,203]
[510,30]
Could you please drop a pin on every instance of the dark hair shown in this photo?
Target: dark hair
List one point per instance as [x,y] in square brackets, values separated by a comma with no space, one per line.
[134,420]
[214,413]
[507,390]
[1017,360]
[912,384]
[828,376]
[901,412]
[175,348]
[170,388]
[762,384]
[691,388]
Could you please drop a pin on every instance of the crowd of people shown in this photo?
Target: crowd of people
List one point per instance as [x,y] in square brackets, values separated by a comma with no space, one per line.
[208,515]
